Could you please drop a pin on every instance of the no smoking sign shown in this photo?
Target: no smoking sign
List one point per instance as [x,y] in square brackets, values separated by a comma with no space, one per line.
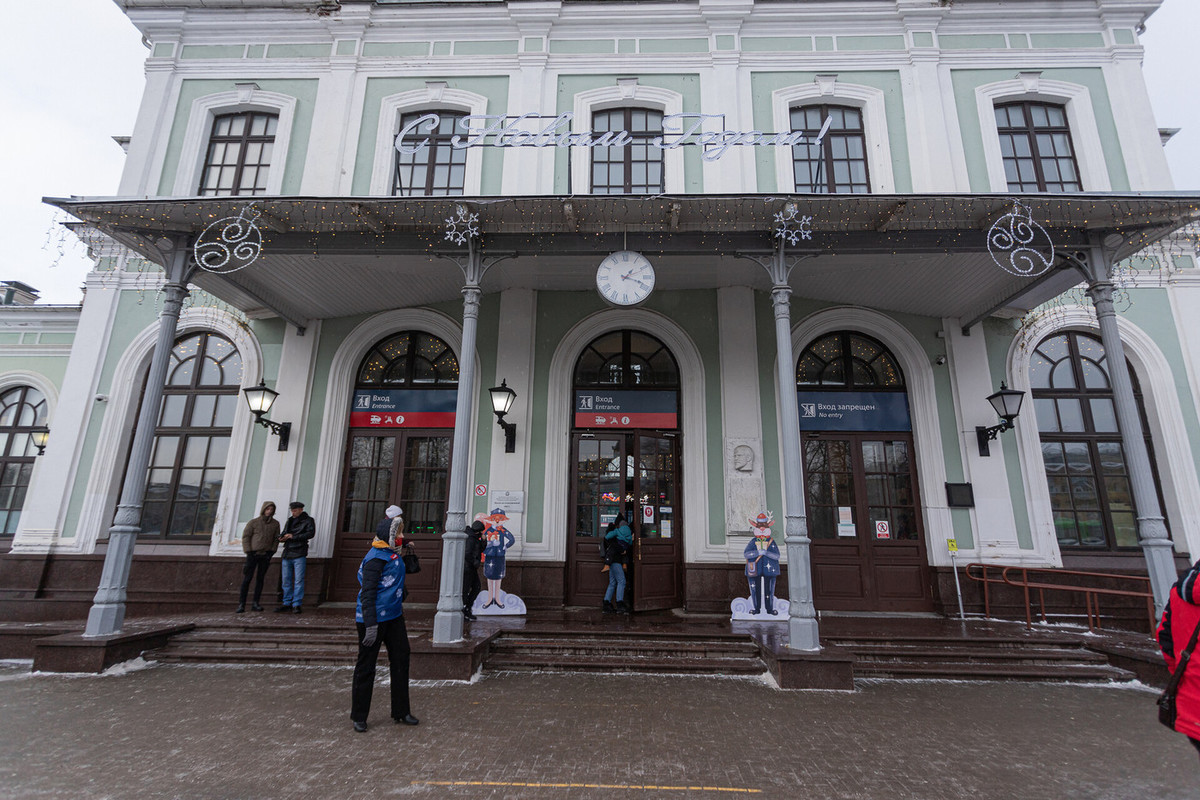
[481,490]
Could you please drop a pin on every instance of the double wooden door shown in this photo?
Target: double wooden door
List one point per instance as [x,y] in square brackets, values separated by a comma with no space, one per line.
[636,473]
[864,519]
[410,469]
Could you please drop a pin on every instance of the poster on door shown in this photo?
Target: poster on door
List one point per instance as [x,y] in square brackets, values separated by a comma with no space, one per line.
[403,408]
[622,409]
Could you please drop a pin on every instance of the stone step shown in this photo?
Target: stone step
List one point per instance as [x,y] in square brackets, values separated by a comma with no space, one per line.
[981,641]
[1006,672]
[1030,655]
[265,639]
[640,648]
[559,662]
[308,656]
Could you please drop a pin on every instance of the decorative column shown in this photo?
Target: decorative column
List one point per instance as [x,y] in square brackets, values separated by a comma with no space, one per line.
[1152,530]
[107,615]
[802,619]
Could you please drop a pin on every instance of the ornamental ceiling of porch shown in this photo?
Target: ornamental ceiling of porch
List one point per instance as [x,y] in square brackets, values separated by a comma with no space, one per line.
[917,254]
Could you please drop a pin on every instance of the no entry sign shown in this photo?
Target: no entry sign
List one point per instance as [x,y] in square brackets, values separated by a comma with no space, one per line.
[883,529]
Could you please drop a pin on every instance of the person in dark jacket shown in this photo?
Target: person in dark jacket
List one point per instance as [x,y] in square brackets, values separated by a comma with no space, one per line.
[472,558]
[1179,621]
[380,620]
[260,538]
[622,539]
[297,531]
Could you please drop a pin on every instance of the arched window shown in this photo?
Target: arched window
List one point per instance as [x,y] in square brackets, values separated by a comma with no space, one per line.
[1035,143]
[191,440]
[1085,462]
[409,358]
[839,164]
[22,408]
[436,169]
[848,361]
[636,168]
[626,360]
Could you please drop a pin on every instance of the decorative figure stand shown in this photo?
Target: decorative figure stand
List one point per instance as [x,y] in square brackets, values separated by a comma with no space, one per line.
[762,568]
[497,540]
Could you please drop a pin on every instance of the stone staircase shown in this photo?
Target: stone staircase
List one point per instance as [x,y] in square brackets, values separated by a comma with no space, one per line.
[316,644]
[625,651]
[1047,657]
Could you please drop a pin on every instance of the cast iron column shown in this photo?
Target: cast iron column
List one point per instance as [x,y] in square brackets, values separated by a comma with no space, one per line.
[802,617]
[1152,531]
[107,614]
[448,622]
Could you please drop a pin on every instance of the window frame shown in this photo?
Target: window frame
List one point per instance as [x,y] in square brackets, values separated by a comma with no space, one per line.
[641,138]
[438,142]
[434,96]
[623,94]
[245,139]
[7,457]
[1030,132]
[827,159]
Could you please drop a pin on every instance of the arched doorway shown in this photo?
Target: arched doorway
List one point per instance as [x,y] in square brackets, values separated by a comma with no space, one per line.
[626,455]
[861,483]
[401,420]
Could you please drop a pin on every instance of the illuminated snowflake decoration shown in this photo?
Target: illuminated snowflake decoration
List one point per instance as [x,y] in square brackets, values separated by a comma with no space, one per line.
[791,227]
[230,243]
[1019,245]
[462,227]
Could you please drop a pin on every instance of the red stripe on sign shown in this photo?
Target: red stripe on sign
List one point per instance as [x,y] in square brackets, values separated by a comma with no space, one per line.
[639,420]
[392,419]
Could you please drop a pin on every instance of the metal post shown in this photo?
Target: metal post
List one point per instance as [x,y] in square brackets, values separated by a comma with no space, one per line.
[957,586]
[448,622]
[107,615]
[802,616]
[1152,531]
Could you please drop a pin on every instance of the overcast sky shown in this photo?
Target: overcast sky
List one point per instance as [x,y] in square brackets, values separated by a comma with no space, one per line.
[71,79]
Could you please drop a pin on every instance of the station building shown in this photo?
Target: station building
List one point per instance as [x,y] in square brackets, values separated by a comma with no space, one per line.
[682,233]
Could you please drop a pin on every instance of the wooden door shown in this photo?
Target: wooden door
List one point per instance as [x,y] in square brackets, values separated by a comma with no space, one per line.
[410,469]
[656,569]
[863,510]
[598,494]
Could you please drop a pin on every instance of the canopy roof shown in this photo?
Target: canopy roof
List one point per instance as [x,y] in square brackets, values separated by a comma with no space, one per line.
[917,254]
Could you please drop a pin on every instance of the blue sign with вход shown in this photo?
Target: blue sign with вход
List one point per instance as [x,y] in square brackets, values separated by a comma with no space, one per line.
[854,411]
[626,409]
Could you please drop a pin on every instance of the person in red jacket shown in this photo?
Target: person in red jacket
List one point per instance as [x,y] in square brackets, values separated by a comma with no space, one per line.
[1179,621]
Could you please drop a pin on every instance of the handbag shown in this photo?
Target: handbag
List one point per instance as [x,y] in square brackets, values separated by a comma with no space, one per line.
[411,562]
[1166,700]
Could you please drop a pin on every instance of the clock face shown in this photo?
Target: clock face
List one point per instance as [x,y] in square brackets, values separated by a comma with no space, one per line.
[625,278]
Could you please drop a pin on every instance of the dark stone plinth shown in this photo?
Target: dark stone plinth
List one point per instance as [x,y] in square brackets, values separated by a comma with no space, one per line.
[17,638]
[441,662]
[74,652]
[831,667]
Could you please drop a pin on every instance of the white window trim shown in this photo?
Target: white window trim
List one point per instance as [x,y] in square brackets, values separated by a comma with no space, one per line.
[335,420]
[1081,118]
[696,518]
[433,97]
[833,92]
[633,96]
[1176,469]
[11,380]
[199,127]
[922,403]
[116,431]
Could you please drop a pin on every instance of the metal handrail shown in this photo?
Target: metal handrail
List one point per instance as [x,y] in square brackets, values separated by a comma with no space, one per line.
[1091,593]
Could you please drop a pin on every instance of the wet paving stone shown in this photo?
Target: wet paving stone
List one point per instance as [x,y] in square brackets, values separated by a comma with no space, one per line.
[175,731]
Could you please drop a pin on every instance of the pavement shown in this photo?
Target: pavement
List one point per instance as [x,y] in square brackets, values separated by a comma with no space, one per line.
[180,731]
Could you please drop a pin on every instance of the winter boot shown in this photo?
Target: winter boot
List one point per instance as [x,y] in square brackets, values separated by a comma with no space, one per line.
[608,608]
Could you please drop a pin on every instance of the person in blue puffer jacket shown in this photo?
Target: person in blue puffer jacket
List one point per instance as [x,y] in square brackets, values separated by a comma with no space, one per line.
[380,620]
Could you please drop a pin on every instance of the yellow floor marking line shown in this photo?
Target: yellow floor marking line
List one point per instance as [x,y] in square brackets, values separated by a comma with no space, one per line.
[644,787]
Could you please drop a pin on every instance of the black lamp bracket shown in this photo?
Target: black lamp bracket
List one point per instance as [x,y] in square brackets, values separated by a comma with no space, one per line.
[985,435]
[510,433]
[281,429]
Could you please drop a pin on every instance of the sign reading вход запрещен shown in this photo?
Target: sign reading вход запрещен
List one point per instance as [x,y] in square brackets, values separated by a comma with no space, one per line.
[679,130]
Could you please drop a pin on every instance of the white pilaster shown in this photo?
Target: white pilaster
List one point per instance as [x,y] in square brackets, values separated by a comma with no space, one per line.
[741,417]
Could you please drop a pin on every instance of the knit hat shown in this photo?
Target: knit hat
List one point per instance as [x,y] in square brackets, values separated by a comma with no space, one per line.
[764,520]
[393,512]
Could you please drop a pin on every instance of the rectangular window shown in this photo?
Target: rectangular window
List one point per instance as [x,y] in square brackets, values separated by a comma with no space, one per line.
[636,168]
[239,154]
[436,169]
[1035,143]
[839,164]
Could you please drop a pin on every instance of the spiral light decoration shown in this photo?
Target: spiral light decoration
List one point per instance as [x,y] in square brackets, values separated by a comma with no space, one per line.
[1018,245]
[230,243]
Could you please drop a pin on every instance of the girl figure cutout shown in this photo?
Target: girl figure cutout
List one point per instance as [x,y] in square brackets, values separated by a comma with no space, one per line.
[496,541]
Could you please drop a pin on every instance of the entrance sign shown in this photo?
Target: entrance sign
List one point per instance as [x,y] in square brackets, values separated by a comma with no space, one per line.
[626,409]
[854,411]
[403,408]
[679,130]
[883,529]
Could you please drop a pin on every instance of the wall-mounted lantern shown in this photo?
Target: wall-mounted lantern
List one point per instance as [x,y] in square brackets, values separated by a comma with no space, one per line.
[502,400]
[1007,403]
[260,399]
[40,436]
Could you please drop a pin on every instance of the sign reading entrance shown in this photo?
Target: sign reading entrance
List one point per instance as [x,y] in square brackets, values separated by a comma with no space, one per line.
[624,409]
[853,411]
[403,408]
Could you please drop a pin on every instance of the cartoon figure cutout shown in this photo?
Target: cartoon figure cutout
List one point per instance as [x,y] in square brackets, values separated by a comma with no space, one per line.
[762,568]
[497,539]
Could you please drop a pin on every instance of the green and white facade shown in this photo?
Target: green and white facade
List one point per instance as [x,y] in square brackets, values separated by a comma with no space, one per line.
[343,269]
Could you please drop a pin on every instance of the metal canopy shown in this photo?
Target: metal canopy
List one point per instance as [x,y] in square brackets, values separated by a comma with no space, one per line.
[917,254]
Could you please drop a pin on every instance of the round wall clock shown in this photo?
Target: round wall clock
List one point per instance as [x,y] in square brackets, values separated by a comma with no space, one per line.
[625,278]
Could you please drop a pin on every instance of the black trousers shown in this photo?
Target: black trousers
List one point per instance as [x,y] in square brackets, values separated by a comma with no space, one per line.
[255,562]
[471,586]
[394,634]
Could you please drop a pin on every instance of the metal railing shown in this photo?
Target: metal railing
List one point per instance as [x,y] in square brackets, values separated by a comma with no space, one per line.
[1019,578]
